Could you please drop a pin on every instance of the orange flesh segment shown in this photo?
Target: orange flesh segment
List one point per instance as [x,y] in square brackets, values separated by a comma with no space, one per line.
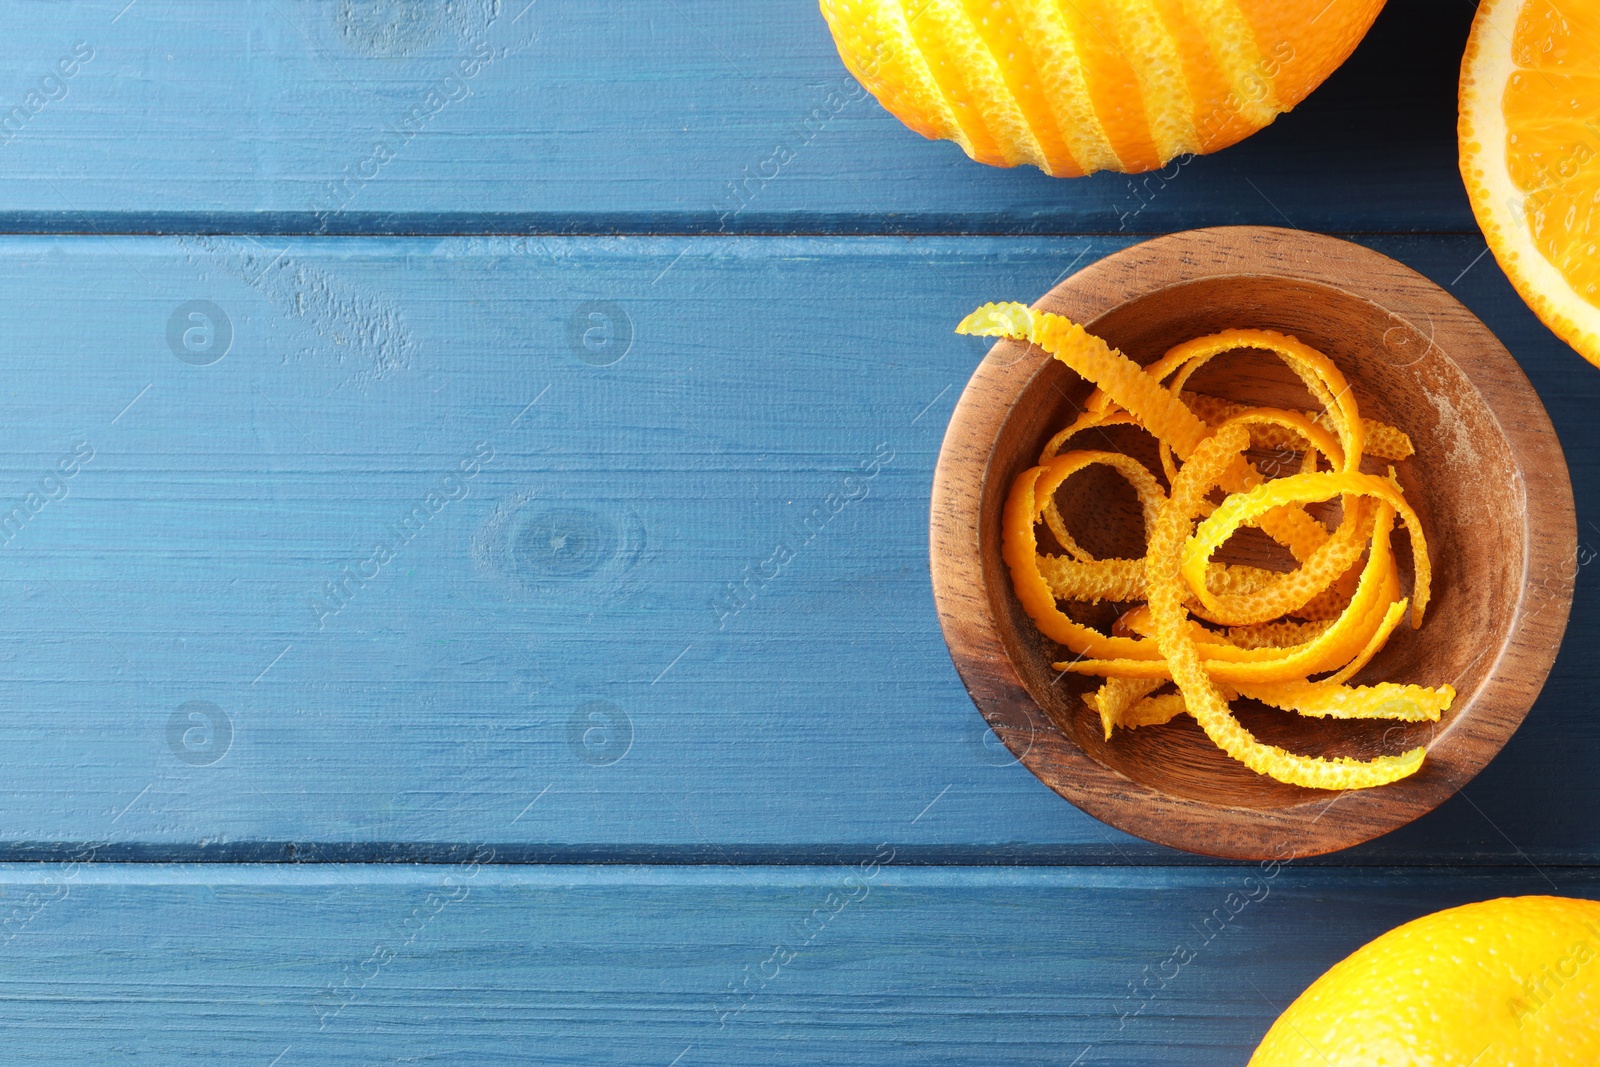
[1552,112]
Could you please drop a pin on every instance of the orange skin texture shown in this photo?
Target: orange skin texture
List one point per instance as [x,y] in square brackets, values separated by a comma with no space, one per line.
[1502,982]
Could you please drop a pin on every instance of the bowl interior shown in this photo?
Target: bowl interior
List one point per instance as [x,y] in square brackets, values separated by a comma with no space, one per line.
[1462,482]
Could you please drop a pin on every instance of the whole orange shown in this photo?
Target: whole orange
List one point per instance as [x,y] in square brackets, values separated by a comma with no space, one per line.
[1514,981]
[1076,86]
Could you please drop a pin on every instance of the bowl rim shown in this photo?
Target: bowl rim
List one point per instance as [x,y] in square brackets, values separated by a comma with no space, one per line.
[1457,754]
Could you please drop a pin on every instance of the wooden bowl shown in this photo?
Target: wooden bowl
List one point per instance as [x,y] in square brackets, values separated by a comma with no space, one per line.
[1488,481]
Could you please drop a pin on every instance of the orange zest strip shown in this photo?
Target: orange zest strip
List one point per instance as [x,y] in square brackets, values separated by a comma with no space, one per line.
[1019,549]
[1200,692]
[1281,634]
[1326,700]
[1320,700]
[1382,440]
[1329,650]
[1058,470]
[1127,385]
[1290,591]
[1344,608]
[1243,508]
[1123,380]
[1321,377]
[1153,711]
[1106,579]
[1380,637]
[1354,632]
[1113,699]
[1089,420]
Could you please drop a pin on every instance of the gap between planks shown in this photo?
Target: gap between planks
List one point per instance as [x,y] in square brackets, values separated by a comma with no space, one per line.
[473,224]
[890,875]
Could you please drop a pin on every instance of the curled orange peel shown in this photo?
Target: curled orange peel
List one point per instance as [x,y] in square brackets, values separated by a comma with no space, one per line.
[1288,592]
[1321,377]
[1279,634]
[1019,549]
[1329,650]
[1245,508]
[1382,440]
[1120,378]
[1345,608]
[1119,580]
[1089,420]
[1086,578]
[1139,392]
[1200,693]
[1401,703]
[1113,699]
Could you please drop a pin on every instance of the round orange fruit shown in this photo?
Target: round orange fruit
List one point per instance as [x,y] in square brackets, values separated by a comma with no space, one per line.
[1514,981]
[1077,86]
[1530,155]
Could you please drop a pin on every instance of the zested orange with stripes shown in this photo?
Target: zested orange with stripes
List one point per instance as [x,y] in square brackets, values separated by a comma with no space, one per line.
[1078,86]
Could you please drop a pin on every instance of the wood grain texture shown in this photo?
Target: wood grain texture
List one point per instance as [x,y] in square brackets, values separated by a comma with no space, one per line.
[424,718]
[296,965]
[1488,482]
[358,116]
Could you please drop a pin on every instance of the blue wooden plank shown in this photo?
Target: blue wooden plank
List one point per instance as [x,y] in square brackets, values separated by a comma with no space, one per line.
[473,964]
[582,116]
[377,549]
[439,550]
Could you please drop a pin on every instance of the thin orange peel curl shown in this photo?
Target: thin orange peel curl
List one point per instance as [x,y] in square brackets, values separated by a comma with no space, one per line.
[1273,631]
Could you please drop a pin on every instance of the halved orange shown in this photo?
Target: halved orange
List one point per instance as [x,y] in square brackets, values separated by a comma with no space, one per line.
[1530,155]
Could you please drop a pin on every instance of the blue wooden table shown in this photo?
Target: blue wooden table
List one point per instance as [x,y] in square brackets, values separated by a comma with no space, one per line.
[401,403]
